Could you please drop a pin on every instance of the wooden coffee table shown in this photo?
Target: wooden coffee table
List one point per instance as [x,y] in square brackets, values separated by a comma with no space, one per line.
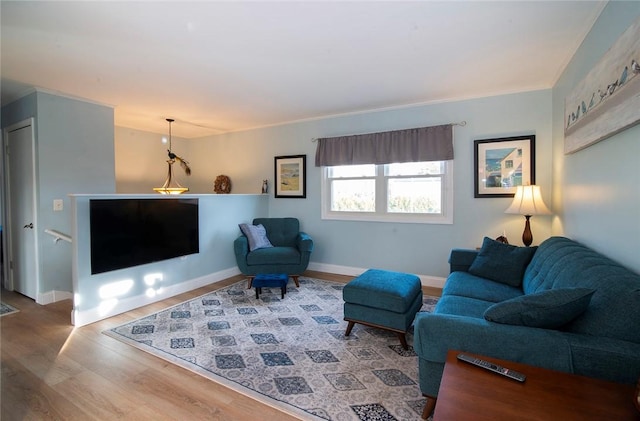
[468,392]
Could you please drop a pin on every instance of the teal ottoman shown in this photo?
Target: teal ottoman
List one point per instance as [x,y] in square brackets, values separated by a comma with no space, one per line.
[383,299]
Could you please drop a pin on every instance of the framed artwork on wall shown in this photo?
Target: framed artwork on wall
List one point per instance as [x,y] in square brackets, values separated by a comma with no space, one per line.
[500,165]
[607,100]
[290,176]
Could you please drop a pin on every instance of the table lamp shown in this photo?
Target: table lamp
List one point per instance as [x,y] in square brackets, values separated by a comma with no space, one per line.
[528,202]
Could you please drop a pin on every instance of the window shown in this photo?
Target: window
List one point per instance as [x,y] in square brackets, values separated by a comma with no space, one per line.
[406,192]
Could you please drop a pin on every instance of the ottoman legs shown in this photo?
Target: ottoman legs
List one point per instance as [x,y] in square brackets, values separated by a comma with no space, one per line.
[283,290]
[401,334]
[403,340]
[349,327]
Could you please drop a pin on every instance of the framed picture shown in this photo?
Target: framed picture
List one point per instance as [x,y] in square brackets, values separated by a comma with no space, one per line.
[503,164]
[291,176]
[607,100]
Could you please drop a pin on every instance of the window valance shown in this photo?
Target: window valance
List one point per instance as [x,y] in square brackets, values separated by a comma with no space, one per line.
[433,143]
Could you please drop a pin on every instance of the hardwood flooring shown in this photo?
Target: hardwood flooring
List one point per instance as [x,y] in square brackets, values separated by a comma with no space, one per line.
[54,371]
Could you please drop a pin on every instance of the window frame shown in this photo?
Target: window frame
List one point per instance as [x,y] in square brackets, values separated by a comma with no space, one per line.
[446,217]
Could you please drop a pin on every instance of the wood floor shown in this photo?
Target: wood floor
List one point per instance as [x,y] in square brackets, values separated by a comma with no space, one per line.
[53,371]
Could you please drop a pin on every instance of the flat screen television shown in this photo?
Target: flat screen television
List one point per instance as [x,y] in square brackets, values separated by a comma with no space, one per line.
[132,232]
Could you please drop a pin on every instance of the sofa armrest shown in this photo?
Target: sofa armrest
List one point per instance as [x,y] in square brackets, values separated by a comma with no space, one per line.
[606,358]
[241,246]
[304,242]
[461,259]
[435,334]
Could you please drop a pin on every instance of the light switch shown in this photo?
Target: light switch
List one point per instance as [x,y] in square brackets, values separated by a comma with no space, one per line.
[57,205]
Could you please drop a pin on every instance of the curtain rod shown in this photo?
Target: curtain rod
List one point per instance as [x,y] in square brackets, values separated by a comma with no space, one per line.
[461,124]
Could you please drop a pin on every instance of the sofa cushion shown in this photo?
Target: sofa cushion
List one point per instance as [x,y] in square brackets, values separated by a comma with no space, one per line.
[274,256]
[459,306]
[257,236]
[502,262]
[282,232]
[383,289]
[465,284]
[547,309]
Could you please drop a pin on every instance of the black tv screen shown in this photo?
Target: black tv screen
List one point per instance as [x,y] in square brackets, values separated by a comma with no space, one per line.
[132,232]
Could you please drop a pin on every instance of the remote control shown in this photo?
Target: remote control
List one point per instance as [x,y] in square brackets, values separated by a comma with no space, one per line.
[512,374]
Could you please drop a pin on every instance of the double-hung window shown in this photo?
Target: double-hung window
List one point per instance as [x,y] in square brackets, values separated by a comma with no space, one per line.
[398,176]
[395,192]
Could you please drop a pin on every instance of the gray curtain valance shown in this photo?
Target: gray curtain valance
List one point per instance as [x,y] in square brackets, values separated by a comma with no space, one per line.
[410,145]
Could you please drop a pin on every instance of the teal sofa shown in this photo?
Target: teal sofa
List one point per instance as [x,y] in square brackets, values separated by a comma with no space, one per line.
[290,253]
[527,322]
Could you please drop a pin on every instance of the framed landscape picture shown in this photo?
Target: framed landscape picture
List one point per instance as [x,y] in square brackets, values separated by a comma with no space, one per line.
[290,176]
[502,164]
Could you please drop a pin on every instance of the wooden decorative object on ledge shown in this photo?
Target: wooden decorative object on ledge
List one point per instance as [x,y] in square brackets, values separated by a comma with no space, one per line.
[222,184]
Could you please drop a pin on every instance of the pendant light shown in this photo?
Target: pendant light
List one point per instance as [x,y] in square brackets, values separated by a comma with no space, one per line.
[170,185]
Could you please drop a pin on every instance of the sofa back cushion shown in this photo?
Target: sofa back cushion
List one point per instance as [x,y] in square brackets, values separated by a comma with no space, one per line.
[614,310]
[501,262]
[282,232]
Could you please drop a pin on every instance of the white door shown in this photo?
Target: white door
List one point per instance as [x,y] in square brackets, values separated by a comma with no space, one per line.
[23,258]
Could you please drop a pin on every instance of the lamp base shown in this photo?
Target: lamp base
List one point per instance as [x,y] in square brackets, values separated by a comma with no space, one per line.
[527,236]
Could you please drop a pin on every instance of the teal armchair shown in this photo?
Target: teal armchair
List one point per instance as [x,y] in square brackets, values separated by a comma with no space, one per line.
[289,255]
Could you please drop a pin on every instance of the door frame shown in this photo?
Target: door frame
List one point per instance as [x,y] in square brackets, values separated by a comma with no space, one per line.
[7,237]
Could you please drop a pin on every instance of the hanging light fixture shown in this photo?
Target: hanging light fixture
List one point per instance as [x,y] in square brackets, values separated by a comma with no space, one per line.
[170,185]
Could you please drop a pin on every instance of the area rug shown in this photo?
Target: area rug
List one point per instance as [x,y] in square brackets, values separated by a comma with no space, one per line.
[290,353]
[6,309]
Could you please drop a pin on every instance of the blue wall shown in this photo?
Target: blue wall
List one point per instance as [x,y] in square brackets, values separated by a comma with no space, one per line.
[596,190]
[75,154]
[346,247]
[219,216]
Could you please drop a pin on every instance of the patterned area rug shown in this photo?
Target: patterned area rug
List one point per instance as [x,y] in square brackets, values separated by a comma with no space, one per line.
[7,309]
[290,353]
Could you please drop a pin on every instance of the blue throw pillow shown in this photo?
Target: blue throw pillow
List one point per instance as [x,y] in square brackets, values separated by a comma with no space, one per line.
[502,262]
[548,309]
[257,236]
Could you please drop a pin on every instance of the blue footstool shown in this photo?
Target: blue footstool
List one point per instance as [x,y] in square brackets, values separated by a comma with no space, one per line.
[383,299]
[273,280]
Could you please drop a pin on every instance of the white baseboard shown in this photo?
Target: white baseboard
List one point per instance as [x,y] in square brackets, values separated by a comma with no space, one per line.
[426,280]
[53,296]
[92,315]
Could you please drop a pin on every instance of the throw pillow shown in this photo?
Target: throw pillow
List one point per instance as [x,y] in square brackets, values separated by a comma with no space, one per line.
[502,262]
[548,309]
[257,236]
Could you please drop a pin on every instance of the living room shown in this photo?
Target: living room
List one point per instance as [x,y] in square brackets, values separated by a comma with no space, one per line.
[593,193]
[568,182]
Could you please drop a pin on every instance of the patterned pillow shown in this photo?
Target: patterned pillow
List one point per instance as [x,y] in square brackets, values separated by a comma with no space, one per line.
[257,236]
[548,309]
[502,262]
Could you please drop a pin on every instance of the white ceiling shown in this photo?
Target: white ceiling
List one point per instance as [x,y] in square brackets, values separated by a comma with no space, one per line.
[226,66]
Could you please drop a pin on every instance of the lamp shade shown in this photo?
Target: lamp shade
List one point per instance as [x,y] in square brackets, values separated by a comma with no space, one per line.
[528,201]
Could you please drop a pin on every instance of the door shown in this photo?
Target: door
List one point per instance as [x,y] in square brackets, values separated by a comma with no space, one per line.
[23,257]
